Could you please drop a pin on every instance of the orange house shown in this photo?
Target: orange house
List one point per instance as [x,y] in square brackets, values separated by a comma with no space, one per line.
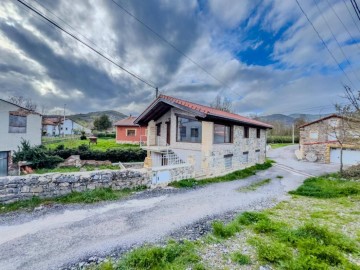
[128,132]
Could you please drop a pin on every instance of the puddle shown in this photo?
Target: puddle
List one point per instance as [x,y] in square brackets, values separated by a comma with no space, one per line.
[53,221]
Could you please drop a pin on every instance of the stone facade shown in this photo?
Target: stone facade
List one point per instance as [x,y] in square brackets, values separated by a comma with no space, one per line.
[210,159]
[14,188]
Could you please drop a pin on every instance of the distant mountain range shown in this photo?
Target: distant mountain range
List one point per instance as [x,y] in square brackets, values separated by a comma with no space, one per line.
[87,119]
[290,119]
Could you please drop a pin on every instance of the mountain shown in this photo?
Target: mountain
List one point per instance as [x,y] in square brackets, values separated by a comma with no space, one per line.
[87,119]
[290,119]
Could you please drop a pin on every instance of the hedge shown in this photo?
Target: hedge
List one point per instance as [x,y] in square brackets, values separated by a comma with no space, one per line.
[105,135]
[282,139]
[114,155]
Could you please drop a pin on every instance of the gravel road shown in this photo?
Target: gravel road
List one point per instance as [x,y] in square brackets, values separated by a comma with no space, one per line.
[62,236]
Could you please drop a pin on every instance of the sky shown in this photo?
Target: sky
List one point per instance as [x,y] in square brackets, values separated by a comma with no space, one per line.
[262,55]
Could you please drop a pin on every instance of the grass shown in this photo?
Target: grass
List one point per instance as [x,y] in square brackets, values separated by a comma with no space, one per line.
[102,144]
[240,174]
[278,145]
[77,169]
[305,232]
[88,196]
[256,185]
[327,187]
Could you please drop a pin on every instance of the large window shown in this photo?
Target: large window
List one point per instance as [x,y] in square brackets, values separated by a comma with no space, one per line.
[246,132]
[188,130]
[222,134]
[258,133]
[17,123]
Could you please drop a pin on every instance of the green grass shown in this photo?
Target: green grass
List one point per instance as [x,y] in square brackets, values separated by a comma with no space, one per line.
[240,174]
[327,187]
[174,256]
[77,169]
[240,258]
[279,145]
[225,231]
[88,196]
[255,186]
[102,144]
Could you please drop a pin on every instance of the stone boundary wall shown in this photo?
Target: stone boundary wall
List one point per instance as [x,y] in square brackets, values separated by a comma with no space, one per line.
[15,188]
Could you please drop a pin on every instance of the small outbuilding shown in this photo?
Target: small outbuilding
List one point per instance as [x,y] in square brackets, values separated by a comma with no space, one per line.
[129,132]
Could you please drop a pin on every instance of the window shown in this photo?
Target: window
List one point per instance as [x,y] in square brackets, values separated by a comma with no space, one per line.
[222,134]
[246,132]
[228,161]
[314,135]
[188,130]
[158,129]
[246,157]
[258,133]
[257,155]
[130,132]
[194,132]
[17,123]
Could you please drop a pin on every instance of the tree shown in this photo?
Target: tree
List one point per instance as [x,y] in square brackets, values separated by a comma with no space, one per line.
[23,102]
[347,130]
[297,124]
[222,103]
[102,123]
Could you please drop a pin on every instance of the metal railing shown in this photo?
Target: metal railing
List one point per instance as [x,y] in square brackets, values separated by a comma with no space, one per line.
[166,159]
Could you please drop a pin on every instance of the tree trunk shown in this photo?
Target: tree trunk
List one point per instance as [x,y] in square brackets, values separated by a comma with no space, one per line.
[341,160]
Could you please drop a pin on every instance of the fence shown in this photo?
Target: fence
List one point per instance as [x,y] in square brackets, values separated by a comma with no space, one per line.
[49,140]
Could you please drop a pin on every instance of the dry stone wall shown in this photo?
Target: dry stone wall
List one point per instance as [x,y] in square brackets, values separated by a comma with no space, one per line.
[14,188]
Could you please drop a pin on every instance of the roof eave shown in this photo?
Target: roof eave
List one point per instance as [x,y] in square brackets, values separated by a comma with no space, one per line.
[240,122]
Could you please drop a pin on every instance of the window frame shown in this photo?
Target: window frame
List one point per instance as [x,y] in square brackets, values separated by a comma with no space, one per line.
[258,133]
[178,128]
[246,132]
[158,129]
[11,123]
[230,133]
[130,129]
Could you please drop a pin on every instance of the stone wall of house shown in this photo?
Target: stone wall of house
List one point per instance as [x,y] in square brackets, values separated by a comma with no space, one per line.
[14,188]
[319,150]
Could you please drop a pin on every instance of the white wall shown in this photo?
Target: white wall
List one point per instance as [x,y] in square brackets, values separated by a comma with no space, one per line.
[69,128]
[11,141]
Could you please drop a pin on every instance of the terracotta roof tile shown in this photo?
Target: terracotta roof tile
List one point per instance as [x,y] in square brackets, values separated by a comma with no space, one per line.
[129,122]
[214,112]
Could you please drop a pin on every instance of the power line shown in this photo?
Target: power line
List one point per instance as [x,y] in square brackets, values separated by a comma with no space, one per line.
[352,17]
[356,8]
[84,43]
[168,42]
[323,42]
[337,42]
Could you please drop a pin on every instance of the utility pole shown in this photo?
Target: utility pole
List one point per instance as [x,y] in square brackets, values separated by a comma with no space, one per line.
[293,133]
[156,92]
[64,122]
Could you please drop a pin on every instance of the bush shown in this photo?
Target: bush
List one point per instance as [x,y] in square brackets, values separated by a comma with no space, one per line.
[37,155]
[106,135]
[281,139]
[114,155]
[352,172]
[60,147]
[83,147]
[83,136]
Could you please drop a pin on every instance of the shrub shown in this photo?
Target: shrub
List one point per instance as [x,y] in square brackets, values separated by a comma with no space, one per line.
[37,155]
[83,147]
[83,137]
[60,147]
[282,139]
[106,135]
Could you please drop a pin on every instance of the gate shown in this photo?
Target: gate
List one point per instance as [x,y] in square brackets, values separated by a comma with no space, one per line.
[3,163]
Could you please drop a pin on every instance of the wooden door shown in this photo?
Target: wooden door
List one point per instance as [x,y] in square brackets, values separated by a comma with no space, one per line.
[168,130]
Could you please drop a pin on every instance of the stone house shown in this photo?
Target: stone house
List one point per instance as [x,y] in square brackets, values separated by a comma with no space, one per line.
[185,140]
[319,141]
[129,132]
[17,124]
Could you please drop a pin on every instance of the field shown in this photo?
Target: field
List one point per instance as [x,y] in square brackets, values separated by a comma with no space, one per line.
[102,144]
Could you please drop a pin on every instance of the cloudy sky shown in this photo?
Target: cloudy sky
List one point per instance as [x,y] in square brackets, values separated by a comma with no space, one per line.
[263,55]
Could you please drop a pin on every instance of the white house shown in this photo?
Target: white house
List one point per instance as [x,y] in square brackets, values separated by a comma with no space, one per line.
[54,125]
[16,123]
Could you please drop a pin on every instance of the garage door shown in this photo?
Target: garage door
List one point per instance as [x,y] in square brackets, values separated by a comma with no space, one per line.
[350,156]
[3,163]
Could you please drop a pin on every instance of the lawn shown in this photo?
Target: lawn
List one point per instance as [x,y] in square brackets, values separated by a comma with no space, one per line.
[278,145]
[102,144]
[76,169]
[318,228]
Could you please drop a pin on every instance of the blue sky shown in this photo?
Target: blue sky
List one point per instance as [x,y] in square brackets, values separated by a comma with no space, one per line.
[265,54]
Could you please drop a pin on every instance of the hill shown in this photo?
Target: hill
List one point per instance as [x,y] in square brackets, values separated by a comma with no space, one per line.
[290,119]
[87,119]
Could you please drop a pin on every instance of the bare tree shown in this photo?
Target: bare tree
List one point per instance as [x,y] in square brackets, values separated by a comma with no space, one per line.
[222,103]
[23,102]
